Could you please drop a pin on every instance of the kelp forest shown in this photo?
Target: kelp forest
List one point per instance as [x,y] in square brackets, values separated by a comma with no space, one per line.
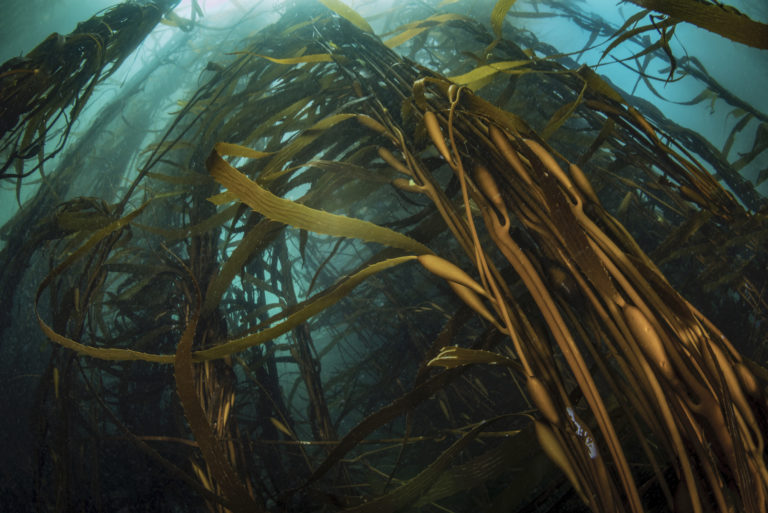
[406,257]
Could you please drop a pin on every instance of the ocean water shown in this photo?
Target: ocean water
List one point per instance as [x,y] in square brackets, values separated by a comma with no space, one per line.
[381,256]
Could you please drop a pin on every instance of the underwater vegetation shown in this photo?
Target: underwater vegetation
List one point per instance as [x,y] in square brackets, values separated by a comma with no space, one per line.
[57,78]
[441,268]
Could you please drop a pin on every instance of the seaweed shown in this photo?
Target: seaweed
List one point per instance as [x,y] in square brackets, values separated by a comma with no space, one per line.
[51,85]
[714,16]
[339,279]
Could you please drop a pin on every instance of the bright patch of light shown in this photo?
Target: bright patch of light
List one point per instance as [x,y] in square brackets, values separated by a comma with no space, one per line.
[210,7]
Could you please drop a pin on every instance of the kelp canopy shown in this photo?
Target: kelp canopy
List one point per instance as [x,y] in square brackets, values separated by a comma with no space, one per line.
[441,268]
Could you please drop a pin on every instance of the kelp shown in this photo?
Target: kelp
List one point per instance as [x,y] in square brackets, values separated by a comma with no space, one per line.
[351,283]
[51,85]
[32,226]
[685,65]
[584,255]
[716,17]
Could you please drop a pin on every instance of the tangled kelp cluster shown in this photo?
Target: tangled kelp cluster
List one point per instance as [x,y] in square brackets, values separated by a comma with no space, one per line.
[342,281]
[57,78]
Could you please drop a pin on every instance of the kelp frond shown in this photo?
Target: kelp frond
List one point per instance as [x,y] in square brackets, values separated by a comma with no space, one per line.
[52,84]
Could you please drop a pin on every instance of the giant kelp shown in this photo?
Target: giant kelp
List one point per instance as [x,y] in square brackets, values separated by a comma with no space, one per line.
[363,279]
[56,79]
[714,16]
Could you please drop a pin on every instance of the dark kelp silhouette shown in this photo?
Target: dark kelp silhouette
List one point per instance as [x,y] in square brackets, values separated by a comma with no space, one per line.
[49,86]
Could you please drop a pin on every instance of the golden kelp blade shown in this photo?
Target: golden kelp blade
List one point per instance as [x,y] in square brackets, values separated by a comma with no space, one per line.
[315,57]
[498,14]
[222,198]
[597,84]
[450,271]
[282,428]
[277,163]
[453,356]
[312,307]
[412,30]
[347,12]
[301,216]
[236,150]
[483,72]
